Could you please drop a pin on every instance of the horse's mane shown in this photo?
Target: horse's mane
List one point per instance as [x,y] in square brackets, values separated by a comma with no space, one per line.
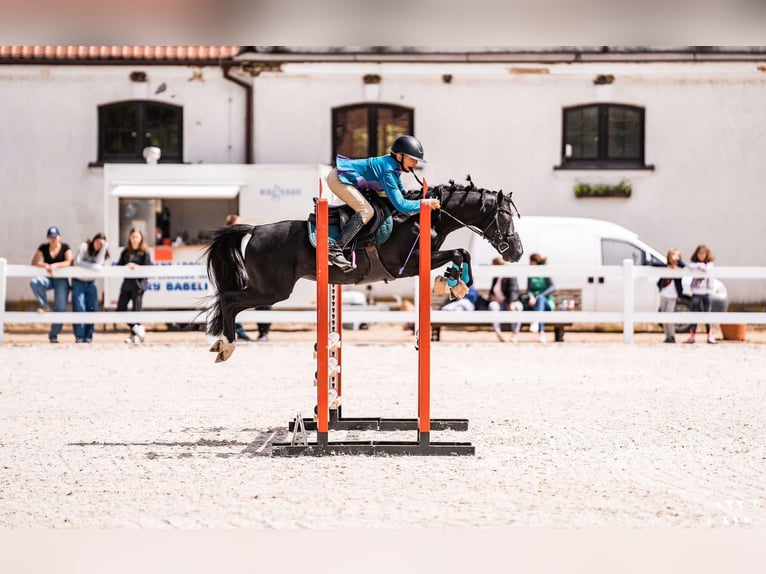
[445,192]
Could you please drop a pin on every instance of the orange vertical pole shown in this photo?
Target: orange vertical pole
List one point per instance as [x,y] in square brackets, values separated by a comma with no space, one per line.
[424,322]
[322,272]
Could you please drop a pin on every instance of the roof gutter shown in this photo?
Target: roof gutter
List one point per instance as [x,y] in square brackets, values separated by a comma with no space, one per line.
[248,110]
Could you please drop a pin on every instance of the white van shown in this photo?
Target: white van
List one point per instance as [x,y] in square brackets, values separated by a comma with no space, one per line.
[591,242]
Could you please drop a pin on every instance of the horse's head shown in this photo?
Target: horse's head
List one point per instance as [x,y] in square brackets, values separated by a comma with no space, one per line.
[487,213]
[502,235]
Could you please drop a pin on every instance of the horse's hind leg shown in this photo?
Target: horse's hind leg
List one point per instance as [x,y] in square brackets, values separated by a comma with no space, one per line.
[232,302]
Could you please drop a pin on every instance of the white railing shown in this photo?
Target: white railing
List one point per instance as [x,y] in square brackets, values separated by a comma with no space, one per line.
[628,317]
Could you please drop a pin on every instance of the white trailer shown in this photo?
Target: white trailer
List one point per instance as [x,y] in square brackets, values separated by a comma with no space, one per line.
[177,205]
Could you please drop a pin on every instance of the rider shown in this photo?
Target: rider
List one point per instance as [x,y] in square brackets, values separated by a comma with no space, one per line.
[380,174]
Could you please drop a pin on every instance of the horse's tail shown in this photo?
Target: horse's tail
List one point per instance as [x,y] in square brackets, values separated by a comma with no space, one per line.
[225,269]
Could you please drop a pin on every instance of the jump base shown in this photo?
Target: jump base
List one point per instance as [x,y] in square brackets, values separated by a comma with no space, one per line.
[337,422]
[422,447]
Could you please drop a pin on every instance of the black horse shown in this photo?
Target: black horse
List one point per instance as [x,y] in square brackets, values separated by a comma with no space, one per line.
[278,254]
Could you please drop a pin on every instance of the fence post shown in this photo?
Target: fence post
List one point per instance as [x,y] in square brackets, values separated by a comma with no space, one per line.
[628,296]
[3,291]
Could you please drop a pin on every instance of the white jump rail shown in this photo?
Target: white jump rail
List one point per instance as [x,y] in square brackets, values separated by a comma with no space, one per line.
[482,275]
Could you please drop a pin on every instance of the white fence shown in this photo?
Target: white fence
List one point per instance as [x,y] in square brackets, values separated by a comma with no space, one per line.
[628,317]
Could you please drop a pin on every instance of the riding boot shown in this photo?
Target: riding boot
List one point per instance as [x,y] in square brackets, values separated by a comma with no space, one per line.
[347,235]
[350,230]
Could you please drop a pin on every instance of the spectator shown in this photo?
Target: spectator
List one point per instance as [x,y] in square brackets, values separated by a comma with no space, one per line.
[540,291]
[263,328]
[504,296]
[702,287]
[50,256]
[91,255]
[670,291]
[136,253]
[467,303]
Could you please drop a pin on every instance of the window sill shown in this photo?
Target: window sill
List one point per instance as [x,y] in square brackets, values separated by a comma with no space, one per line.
[92,164]
[612,166]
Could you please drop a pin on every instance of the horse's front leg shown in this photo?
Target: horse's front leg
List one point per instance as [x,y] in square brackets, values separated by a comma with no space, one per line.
[460,272]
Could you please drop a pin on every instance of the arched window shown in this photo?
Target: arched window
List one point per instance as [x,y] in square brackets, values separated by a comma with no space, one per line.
[126,128]
[367,130]
[606,136]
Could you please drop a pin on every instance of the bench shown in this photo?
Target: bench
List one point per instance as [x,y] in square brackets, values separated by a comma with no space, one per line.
[437,301]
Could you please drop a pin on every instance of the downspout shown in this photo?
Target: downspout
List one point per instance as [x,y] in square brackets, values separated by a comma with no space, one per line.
[248,110]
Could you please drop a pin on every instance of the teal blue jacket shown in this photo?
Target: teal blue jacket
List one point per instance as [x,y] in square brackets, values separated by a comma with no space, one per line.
[381,174]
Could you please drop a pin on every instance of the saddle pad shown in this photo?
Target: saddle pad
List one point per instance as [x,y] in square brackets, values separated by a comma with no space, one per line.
[380,236]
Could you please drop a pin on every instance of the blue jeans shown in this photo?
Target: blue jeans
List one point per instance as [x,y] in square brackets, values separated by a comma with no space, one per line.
[84,298]
[542,304]
[40,286]
[701,304]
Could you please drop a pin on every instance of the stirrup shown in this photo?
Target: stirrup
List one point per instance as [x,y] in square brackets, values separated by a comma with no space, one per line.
[339,260]
[337,257]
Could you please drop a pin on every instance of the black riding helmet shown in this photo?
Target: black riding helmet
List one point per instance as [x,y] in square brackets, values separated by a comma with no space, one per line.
[409,146]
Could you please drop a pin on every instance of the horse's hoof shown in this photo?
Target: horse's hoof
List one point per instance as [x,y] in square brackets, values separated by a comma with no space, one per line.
[224,350]
[440,285]
[460,290]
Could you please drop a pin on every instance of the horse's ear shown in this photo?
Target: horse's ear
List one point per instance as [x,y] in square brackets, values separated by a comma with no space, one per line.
[500,197]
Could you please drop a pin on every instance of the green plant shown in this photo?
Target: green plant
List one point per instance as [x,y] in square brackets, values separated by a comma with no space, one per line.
[622,189]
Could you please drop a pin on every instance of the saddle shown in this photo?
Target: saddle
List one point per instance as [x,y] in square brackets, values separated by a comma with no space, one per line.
[375,232]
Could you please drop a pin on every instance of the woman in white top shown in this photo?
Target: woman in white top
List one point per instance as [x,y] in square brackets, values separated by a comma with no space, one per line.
[91,255]
[670,291]
[702,287]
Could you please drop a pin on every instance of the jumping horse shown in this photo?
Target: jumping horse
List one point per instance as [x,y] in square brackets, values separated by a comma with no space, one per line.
[278,254]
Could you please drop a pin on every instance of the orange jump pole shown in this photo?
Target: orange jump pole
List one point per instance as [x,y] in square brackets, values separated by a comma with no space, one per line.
[424,322]
[323,332]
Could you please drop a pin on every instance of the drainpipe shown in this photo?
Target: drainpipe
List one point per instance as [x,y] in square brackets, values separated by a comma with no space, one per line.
[248,111]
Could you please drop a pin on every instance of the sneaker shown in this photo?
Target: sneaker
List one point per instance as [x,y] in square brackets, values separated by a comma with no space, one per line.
[690,340]
[131,339]
[244,337]
[711,340]
[53,339]
[87,340]
[43,309]
[534,327]
[669,340]
[78,340]
[263,338]
[542,337]
[140,332]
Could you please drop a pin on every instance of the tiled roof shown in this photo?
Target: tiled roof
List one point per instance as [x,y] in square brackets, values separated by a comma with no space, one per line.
[117,53]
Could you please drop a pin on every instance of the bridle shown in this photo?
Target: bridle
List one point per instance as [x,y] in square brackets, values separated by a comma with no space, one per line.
[497,240]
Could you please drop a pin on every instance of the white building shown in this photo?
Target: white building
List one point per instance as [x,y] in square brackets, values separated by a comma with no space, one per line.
[684,129]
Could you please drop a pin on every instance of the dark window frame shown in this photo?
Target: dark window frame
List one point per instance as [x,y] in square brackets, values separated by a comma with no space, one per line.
[603,161]
[372,124]
[142,107]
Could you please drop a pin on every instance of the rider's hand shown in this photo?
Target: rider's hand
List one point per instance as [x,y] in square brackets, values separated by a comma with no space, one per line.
[435,204]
